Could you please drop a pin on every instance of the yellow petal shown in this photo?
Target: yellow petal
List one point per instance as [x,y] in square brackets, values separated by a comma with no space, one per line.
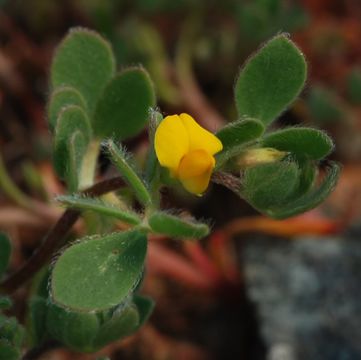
[199,137]
[171,142]
[195,171]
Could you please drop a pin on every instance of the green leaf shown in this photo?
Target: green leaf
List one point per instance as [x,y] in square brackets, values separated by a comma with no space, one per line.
[71,120]
[300,141]
[145,306]
[354,86]
[99,273]
[11,331]
[75,329]
[235,135]
[311,199]
[77,148]
[5,252]
[270,80]
[123,109]
[152,171]
[174,226]
[119,159]
[84,61]
[99,206]
[122,323]
[36,321]
[308,174]
[269,184]
[60,98]
[8,351]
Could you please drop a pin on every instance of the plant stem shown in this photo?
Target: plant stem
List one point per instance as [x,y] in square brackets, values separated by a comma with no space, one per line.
[55,238]
[88,168]
[128,174]
[229,181]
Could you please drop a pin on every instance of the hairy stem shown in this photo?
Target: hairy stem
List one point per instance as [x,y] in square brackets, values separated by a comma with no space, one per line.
[88,168]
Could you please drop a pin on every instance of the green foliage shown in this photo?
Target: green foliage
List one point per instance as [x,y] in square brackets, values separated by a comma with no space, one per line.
[270,80]
[145,307]
[75,329]
[62,97]
[123,108]
[8,352]
[174,226]
[152,171]
[89,332]
[354,86]
[36,319]
[281,190]
[72,135]
[11,338]
[77,148]
[308,175]
[302,142]
[314,197]
[236,135]
[99,273]
[5,252]
[119,159]
[84,61]
[122,323]
[99,206]
[93,298]
[268,184]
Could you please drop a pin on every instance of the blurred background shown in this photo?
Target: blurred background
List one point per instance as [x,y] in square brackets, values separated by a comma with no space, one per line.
[256,288]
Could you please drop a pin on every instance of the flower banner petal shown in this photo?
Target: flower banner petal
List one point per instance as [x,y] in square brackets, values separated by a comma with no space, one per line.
[200,138]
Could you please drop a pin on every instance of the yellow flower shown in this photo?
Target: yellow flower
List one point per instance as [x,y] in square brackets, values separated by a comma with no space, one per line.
[187,150]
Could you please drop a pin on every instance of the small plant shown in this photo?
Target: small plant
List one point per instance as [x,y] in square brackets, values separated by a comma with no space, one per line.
[85,293]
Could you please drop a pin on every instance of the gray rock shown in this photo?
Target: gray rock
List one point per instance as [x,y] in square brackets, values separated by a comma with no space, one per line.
[307,293]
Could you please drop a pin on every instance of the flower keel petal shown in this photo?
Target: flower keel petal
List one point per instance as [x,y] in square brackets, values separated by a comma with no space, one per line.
[195,170]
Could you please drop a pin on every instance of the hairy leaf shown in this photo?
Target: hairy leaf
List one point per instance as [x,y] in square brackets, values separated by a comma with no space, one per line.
[302,142]
[270,80]
[60,98]
[99,273]
[123,109]
[269,184]
[71,120]
[174,226]
[84,61]
[99,206]
[311,199]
